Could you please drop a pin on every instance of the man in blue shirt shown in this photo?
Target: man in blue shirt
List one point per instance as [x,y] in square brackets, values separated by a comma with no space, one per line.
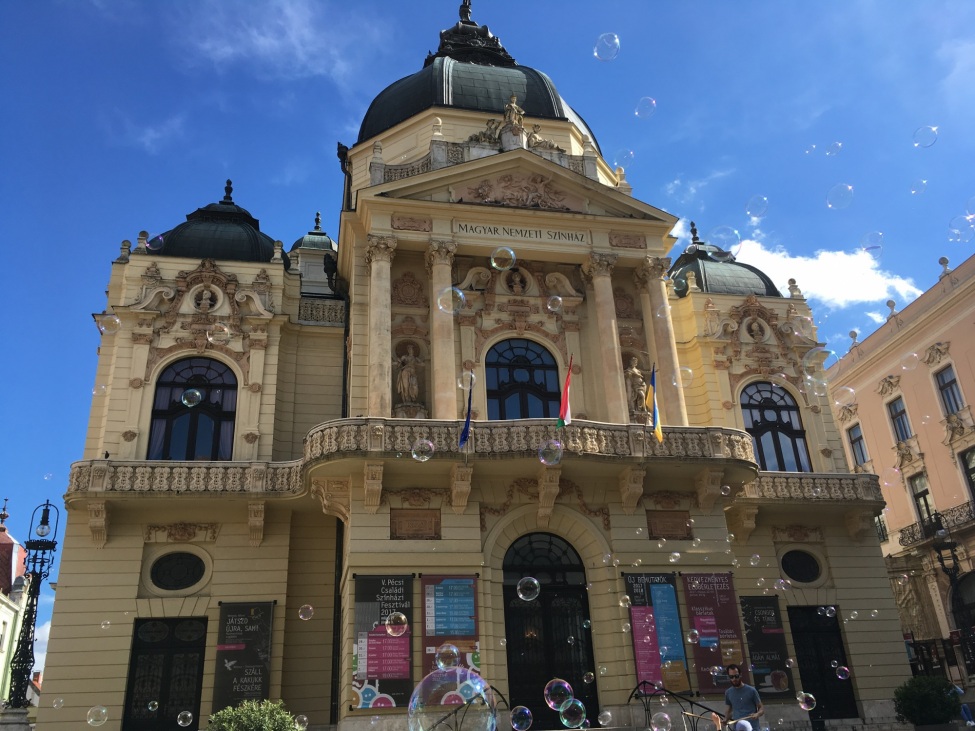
[744,706]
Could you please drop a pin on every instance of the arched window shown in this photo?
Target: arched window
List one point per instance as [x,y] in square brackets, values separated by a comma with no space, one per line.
[772,418]
[193,411]
[522,381]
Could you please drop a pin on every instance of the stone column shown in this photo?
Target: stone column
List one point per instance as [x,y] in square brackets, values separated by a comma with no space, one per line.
[670,397]
[440,258]
[379,256]
[599,270]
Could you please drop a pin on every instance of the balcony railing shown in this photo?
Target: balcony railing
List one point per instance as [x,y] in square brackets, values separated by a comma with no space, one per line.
[883,535]
[924,530]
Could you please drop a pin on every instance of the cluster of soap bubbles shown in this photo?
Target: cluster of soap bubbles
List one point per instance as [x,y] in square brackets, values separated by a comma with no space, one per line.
[826,611]
[559,696]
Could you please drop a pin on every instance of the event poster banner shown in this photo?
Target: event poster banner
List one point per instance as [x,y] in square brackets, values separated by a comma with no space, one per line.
[382,666]
[658,642]
[450,616]
[713,611]
[765,636]
[243,654]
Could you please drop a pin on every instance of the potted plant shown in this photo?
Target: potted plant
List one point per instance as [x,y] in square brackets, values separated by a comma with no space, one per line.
[253,716]
[927,702]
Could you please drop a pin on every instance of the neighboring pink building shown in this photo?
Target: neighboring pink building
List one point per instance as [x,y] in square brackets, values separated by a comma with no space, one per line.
[902,399]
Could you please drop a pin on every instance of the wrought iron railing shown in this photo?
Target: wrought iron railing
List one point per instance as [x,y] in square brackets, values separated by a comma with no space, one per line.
[922,530]
[881,525]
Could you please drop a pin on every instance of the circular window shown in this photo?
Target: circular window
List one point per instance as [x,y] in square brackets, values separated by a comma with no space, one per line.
[177,571]
[800,566]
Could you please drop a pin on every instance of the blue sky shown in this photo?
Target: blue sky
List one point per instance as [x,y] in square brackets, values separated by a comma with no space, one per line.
[125,115]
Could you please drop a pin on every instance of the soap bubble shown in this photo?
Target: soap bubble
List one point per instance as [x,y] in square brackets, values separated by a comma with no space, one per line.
[185,718]
[306,612]
[109,325]
[830,611]
[844,396]
[589,678]
[550,452]
[503,642]
[153,706]
[683,377]
[219,333]
[724,237]
[925,136]
[58,702]
[443,690]
[503,258]
[587,624]
[528,589]
[834,149]
[106,624]
[757,206]
[521,718]
[843,672]
[810,149]
[191,397]
[696,543]
[396,624]
[423,450]
[605,718]
[661,543]
[693,636]
[607,48]
[554,304]
[807,701]
[625,627]
[625,601]
[760,582]
[890,477]
[874,613]
[155,243]
[572,713]
[782,584]
[726,490]
[730,538]
[646,107]
[660,722]
[97,716]
[839,196]
[448,656]
[755,560]
[853,615]
[960,230]
[909,361]
[903,579]
[466,380]
[623,157]
[451,301]
[603,670]
[789,662]
[301,721]
[834,664]
[557,692]
[919,186]
[674,557]
[571,640]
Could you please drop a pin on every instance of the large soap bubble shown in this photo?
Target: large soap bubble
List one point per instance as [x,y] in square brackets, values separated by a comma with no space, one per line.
[557,692]
[572,713]
[452,698]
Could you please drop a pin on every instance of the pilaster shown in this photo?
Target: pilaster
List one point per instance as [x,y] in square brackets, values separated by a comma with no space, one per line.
[440,259]
[380,251]
[670,402]
[599,270]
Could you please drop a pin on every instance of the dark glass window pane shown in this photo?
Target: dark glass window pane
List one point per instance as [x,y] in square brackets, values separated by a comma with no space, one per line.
[178,437]
[522,380]
[800,566]
[772,417]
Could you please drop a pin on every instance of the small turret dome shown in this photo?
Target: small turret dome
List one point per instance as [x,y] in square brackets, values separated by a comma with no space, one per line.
[717,272]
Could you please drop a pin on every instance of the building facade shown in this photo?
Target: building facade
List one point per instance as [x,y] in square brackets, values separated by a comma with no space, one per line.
[277,495]
[13,597]
[901,396]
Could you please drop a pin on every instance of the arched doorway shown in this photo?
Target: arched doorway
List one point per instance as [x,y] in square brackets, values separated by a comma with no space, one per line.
[547,637]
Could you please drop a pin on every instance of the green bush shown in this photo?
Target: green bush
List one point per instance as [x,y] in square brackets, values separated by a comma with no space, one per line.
[925,701]
[253,716]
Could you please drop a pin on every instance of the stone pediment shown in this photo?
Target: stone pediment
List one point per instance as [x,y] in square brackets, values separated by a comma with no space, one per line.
[518,179]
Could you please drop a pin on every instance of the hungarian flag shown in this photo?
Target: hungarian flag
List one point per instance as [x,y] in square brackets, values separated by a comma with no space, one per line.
[565,411]
[466,432]
[652,405]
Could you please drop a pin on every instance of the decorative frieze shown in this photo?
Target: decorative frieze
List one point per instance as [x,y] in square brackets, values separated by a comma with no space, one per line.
[255,522]
[403,222]
[797,534]
[936,353]
[195,477]
[182,532]
[888,384]
[321,312]
[815,487]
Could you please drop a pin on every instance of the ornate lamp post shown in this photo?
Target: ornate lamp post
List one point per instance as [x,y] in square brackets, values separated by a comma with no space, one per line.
[946,551]
[40,557]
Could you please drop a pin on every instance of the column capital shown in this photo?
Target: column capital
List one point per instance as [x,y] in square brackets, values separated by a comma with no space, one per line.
[599,265]
[380,248]
[440,252]
[654,267]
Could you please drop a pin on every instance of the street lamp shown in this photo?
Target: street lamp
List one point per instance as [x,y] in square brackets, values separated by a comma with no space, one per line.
[40,557]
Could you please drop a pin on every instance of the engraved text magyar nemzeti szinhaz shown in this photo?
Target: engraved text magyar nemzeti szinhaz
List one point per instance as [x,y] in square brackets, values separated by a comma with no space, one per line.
[514,232]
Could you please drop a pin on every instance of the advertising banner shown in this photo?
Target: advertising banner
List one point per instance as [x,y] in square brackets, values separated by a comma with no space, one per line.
[243,654]
[658,642]
[450,616]
[382,666]
[713,611]
[765,636]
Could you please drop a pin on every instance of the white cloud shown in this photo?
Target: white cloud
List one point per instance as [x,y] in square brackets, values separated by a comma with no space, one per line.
[876,317]
[291,39]
[685,191]
[959,56]
[837,279]
[41,635]
[152,138]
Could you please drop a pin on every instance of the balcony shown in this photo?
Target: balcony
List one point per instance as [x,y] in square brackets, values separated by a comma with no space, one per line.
[959,515]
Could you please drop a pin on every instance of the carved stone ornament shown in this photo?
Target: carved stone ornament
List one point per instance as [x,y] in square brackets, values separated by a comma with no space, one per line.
[334,497]
[254,387]
[407,291]
[797,534]
[380,248]
[255,522]
[522,191]
[181,532]
[627,241]
[848,412]
[129,435]
[888,385]
[98,522]
[440,253]
[624,304]
[135,383]
[599,265]
[411,223]
[936,353]
[251,437]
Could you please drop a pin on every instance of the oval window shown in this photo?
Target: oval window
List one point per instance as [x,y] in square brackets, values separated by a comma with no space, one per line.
[801,567]
[177,571]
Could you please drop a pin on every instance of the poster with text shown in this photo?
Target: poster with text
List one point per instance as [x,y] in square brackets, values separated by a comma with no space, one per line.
[243,654]
[767,650]
[450,616]
[712,610]
[658,642]
[382,663]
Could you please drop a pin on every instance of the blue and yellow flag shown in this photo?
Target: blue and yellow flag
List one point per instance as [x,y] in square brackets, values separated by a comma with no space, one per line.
[652,405]
[466,432]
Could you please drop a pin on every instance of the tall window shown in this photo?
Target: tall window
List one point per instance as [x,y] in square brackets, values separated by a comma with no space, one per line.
[522,381]
[922,497]
[948,390]
[857,445]
[193,411]
[772,418]
[898,419]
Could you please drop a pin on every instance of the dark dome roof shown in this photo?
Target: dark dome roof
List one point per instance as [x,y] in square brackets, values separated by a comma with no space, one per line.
[222,231]
[471,70]
[717,272]
[315,239]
